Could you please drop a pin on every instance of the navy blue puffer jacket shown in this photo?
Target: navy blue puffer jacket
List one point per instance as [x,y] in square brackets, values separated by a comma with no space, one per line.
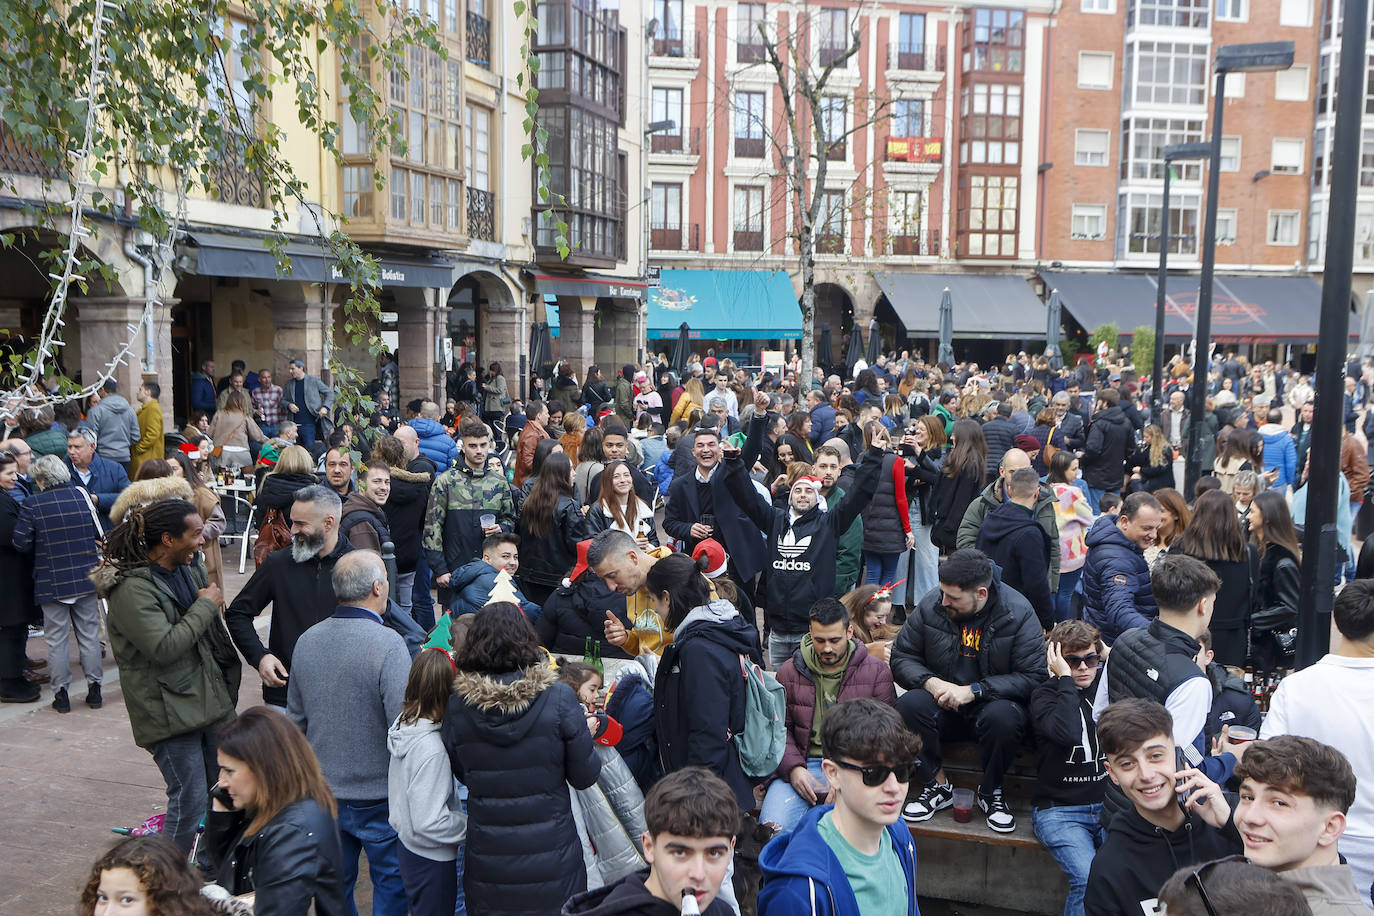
[1116,582]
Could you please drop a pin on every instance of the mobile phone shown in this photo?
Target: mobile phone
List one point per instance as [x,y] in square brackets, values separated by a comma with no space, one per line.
[1182,763]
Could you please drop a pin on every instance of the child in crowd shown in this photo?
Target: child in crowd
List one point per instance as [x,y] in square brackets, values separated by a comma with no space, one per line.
[145,876]
[1110,504]
[425,810]
[870,609]
[585,681]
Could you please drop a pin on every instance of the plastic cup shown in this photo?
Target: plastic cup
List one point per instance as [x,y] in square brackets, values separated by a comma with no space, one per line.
[486,519]
[963,805]
[1241,734]
[821,786]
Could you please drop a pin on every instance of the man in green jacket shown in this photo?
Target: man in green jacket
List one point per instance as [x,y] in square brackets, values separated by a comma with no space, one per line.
[995,493]
[827,466]
[178,669]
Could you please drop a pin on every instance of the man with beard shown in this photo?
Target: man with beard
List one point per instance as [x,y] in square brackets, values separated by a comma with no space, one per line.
[969,656]
[296,583]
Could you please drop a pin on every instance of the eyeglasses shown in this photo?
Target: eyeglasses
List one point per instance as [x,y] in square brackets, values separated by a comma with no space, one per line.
[1091,660]
[876,774]
[1195,879]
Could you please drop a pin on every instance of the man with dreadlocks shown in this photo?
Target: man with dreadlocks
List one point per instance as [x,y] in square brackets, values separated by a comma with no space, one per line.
[177,667]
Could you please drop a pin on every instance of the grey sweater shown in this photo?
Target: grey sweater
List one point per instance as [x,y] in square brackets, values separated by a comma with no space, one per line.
[348,679]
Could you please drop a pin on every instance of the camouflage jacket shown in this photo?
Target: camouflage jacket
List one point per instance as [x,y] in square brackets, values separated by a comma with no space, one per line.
[459,497]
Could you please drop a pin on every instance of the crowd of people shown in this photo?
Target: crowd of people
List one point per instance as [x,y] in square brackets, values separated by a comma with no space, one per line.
[704,639]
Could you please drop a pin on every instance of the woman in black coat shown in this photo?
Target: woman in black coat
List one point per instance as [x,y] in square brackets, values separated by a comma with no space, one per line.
[1214,536]
[699,696]
[550,526]
[1277,585]
[265,839]
[18,610]
[959,483]
[294,470]
[516,737]
[576,611]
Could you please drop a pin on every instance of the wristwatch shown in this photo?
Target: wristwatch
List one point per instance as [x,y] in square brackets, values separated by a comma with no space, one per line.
[977,689]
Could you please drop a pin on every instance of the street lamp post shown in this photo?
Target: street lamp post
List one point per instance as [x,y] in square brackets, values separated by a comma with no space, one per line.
[1172,153]
[1319,529]
[1269,55]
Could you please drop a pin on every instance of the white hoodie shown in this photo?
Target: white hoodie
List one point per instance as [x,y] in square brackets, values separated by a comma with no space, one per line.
[425,812]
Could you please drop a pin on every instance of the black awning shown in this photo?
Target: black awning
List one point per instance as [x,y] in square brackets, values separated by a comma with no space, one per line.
[1243,308]
[218,254]
[985,305]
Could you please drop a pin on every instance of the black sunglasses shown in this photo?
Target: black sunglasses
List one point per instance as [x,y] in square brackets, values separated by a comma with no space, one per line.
[876,774]
[1090,660]
[1196,877]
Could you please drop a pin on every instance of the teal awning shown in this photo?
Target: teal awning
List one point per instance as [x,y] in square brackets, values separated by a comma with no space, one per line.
[724,305]
[551,313]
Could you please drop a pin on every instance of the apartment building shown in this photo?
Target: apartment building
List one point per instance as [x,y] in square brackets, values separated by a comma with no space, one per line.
[465,261]
[930,175]
[1133,76]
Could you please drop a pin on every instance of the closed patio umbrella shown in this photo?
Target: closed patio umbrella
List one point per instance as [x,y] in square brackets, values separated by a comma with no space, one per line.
[946,329]
[825,356]
[682,349]
[1054,312]
[875,343]
[855,351]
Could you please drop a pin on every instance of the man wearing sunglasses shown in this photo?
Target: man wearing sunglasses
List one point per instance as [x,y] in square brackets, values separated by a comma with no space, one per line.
[1159,662]
[1176,815]
[1066,806]
[855,856]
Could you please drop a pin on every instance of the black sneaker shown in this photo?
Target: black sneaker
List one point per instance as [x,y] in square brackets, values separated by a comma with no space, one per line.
[60,701]
[995,807]
[934,797]
[93,697]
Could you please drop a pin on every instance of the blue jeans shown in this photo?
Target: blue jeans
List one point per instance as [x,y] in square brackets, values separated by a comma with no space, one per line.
[363,826]
[880,568]
[782,805]
[189,765]
[305,426]
[1063,600]
[1072,835]
[421,601]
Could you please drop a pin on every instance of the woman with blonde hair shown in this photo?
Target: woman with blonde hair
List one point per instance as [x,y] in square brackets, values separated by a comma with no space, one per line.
[692,398]
[231,429]
[294,470]
[1152,465]
[272,829]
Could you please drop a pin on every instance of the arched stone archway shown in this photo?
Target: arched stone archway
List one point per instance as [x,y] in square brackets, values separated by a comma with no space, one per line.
[835,308]
[483,319]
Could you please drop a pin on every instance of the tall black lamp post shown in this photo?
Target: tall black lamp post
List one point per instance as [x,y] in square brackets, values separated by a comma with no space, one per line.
[1268,55]
[1172,153]
[1319,530]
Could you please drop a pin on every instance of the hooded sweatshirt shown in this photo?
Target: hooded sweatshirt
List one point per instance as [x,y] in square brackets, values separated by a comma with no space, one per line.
[1138,857]
[802,875]
[629,897]
[1016,542]
[827,684]
[423,808]
[115,425]
[649,633]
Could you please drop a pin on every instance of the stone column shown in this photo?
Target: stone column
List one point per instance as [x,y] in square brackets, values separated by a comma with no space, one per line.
[577,339]
[105,328]
[503,340]
[419,326]
[303,328]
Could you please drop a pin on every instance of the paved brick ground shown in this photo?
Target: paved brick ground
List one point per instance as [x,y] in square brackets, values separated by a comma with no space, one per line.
[65,780]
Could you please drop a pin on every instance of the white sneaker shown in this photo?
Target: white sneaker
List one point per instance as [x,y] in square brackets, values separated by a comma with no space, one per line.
[999,815]
[935,797]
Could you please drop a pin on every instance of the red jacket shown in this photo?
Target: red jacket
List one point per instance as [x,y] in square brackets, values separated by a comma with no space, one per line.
[866,676]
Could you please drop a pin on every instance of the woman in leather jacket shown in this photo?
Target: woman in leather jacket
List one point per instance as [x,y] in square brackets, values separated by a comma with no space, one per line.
[271,829]
[550,526]
[1277,588]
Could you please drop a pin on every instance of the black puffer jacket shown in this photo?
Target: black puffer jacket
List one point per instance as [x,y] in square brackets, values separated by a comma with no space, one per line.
[291,863]
[699,695]
[884,531]
[516,740]
[1104,455]
[546,560]
[405,509]
[278,491]
[1000,433]
[578,611]
[1011,656]
[948,503]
